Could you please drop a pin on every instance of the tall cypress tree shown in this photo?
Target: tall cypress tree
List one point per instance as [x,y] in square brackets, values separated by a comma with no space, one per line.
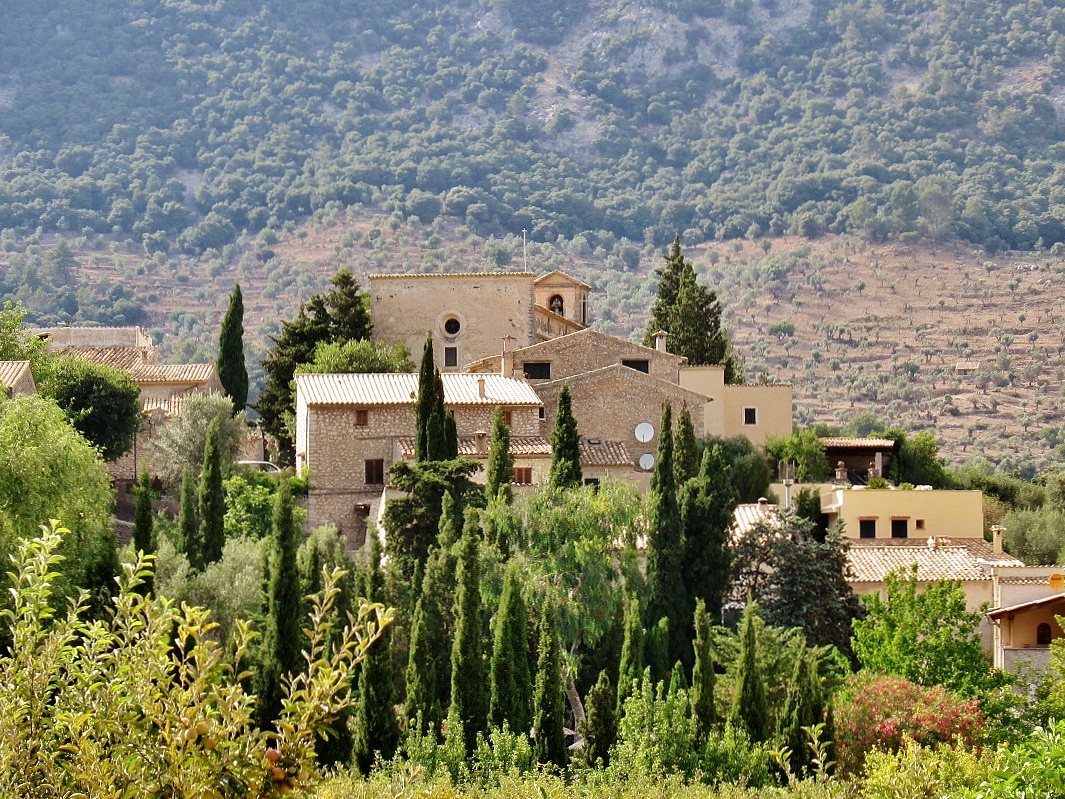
[804,706]
[282,638]
[702,695]
[212,499]
[706,507]
[429,655]
[599,728]
[188,528]
[451,436]
[685,449]
[469,701]
[565,445]
[430,418]
[232,371]
[668,596]
[511,681]
[549,700]
[750,706]
[143,540]
[376,726]
[500,469]
[630,669]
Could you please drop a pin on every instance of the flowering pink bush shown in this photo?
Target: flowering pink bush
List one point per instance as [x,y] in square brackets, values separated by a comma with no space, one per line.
[874,711]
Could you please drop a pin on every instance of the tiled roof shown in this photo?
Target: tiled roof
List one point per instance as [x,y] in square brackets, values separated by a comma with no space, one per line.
[594,452]
[965,559]
[859,443]
[11,372]
[438,275]
[125,358]
[193,373]
[401,389]
[998,613]
[631,375]
[565,279]
[747,515]
[169,406]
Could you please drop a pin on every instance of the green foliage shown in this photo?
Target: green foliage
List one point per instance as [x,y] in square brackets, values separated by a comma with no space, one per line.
[500,469]
[750,472]
[232,371]
[565,445]
[1029,767]
[144,699]
[187,538]
[750,709]
[920,772]
[917,460]
[358,357]
[429,442]
[181,443]
[881,712]
[143,534]
[18,343]
[805,708]
[706,507]
[469,673]
[249,504]
[686,458]
[510,697]
[927,636]
[101,402]
[805,450]
[704,706]
[212,501]
[1035,535]
[599,728]
[656,734]
[549,701]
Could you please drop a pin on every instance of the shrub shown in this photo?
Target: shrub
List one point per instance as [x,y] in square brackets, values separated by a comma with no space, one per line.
[145,703]
[921,772]
[877,712]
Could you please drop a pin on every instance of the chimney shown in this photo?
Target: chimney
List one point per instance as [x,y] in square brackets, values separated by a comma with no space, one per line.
[506,363]
[481,439]
[997,532]
[480,387]
[660,340]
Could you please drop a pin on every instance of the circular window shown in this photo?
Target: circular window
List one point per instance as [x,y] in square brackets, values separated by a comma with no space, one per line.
[452,326]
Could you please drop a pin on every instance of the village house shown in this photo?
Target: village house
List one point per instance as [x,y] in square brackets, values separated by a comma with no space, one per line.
[16,378]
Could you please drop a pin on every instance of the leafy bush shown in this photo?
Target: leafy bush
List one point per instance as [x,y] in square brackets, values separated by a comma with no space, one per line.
[1034,767]
[920,772]
[656,734]
[881,712]
[145,704]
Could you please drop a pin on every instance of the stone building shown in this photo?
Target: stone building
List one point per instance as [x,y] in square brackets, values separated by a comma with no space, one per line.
[16,378]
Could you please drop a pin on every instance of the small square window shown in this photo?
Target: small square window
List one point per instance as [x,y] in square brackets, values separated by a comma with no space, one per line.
[867,528]
[919,524]
[451,356]
[900,528]
[750,416]
[362,417]
[537,371]
[375,472]
[523,475]
[508,417]
[640,365]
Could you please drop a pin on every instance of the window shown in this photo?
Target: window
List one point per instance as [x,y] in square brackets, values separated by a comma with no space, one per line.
[537,371]
[899,528]
[508,417]
[452,326]
[451,356]
[919,524]
[375,472]
[523,475]
[557,305]
[750,416]
[1042,634]
[593,482]
[867,528]
[541,413]
[362,417]
[640,365]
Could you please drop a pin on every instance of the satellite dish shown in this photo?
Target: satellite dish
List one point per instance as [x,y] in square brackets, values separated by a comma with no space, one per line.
[647,461]
[644,432]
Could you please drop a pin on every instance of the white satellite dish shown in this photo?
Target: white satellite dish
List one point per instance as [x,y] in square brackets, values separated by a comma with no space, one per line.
[644,432]
[647,461]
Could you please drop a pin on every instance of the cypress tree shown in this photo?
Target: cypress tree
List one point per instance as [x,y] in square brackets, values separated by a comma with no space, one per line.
[599,728]
[565,445]
[549,701]
[685,449]
[706,507]
[188,529]
[282,638]
[511,681]
[668,596]
[376,726]
[469,700]
[431,436]
[703,677]
[750,707]
[428,674]
[143,540]
[631,666]
[451,437]
[500,469]
[232,371]
[804,706]
[212,499]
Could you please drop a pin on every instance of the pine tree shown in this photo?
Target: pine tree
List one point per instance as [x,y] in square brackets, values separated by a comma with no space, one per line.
[188,528]
[667,595]
[565,445]
[428,674]
[500,469]
[549,701]
[232,371]
[511,681]
[599,728]
[376,726]
[750,706]
[706,507]
[143,539]
[282,638]
[702,694]
[212,499]
[469,700]
[631,666]
[685,449]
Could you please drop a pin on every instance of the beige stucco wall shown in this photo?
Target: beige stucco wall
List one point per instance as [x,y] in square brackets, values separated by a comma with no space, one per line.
[954,514]
[773,411]
[487,306]
[610,403]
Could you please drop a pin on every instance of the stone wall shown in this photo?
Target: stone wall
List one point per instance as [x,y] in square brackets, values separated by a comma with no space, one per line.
[588,350]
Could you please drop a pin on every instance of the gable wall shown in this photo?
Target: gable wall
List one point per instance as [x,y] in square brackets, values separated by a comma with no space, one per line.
[577,354]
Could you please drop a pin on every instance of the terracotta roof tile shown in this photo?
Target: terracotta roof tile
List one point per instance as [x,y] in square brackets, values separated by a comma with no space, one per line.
[401,389]
[965,559]
[857,443]
[747,515]
[192,373]
[594,452]
[125,358]
[11,372]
